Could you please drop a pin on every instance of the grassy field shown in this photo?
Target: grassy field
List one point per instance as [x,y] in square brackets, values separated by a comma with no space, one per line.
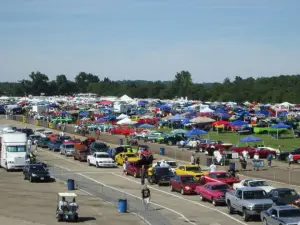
[287,142]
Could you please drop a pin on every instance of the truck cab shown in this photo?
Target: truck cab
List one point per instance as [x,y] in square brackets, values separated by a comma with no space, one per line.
[13,149]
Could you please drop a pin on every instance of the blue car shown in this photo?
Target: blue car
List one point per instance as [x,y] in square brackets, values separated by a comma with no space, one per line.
[55,145]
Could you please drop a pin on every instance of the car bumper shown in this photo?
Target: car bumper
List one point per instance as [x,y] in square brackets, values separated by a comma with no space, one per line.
[41,178]
[69,153]
[15,167]
[108,165]
[253,213]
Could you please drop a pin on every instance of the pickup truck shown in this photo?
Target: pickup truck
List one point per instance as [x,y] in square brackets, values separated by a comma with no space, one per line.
[250,201]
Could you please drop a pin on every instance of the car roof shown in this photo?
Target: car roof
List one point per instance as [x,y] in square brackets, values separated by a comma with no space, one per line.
[250,189]
[215,183]
[189,165]
[67,194]
[217,172]
[284,207]
[282,189]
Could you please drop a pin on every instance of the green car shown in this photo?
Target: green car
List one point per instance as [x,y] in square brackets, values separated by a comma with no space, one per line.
[43,142]
[61,119]
[155,137]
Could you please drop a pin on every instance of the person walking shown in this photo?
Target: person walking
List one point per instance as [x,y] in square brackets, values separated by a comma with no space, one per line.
[146,195]
[212,167]
[193,159]
[29,143]
[291,160]
[269,159]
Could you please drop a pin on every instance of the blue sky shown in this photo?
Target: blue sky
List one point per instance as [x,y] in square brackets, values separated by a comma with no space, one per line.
[149,39]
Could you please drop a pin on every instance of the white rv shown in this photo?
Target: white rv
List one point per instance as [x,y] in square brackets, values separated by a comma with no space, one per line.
[13,149]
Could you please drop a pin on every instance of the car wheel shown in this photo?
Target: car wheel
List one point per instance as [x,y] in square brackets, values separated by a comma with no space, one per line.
[89,163]
[201,197]
[25,177]
[214,202]
[182,191]
[171,188]
[298,161]
[245,215]
[126,172]
[229,208]
[74,158]
[60,153]
[169,142]
[265,221]
[134,174]
[97,165]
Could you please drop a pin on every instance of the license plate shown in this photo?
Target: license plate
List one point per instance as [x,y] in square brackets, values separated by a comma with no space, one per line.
[42,178]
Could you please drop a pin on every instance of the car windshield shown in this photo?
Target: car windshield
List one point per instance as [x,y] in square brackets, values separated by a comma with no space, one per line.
[102,156]
[188,180]
[21,148]
[164,171]
[37,168]
[130,155]
[172,164]
[258,183]
[259,194]
[69,146]
[289,213]
[34,136]
[223,175]
[193,168]
[287,193]
[44,139]
[220,187]
[100,145]
[57,142]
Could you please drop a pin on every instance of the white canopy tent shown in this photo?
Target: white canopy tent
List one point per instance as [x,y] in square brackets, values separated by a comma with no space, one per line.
[122,116]
[126,121]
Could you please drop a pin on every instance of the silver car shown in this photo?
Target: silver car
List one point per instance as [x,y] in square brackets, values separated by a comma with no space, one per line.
[67,149]
[281,215]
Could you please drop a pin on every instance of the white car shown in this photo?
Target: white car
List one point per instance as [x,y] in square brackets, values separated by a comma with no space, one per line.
[46,133]
[101,159]
[172,164]
[254,183]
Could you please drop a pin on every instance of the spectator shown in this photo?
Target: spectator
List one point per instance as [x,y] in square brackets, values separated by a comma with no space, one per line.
[290,159]
[193,159]
[212,167]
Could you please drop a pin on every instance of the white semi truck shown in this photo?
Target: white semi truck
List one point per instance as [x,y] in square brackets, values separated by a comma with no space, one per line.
[13,146]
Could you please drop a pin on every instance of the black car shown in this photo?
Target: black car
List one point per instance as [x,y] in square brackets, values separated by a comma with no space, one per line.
[36,172]
[173,139]
[34,138]
[285,155]
[98,147]
[160,175]
[283,196]
[27,131]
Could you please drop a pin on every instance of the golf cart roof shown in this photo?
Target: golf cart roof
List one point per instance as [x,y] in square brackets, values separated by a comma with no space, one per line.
[67,194]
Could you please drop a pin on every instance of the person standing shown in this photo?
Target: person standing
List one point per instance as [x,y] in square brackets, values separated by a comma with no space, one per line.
[290,159]
[193,159]
[146,195]
[29,143]
[269,159]
[212,167]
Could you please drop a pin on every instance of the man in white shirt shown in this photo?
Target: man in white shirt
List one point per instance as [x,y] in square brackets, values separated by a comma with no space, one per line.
[73,205]
[291,159]
[29,142]
[256,156]
[212,167]
[164,164]
[245,154]
[62,204]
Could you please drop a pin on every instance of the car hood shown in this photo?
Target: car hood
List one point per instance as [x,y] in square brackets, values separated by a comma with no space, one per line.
[290,220]
[266,188]
[41,173]
[133,159]
[192,185]
[228,180]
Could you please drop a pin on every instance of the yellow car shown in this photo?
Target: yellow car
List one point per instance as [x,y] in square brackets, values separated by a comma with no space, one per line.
[120,158]
[192,170]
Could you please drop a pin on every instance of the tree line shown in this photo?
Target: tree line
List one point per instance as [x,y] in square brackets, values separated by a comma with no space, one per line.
[265,89]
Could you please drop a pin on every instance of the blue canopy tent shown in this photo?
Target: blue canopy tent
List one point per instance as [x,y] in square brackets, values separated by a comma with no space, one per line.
[250,138]
[146,126]
[63,113]
[185,121]
[191,109]
[83,114]
[224,116]
[192,114]
[177,117]
[165,108]
[238,123]
[195,132]
[178,131]
[221,111]
[142,102]
[282,126]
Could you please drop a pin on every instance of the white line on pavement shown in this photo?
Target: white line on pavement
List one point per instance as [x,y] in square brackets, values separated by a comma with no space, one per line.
[171,210]
[173,195]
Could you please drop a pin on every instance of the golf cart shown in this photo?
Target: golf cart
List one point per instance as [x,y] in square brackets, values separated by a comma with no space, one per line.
[66,212]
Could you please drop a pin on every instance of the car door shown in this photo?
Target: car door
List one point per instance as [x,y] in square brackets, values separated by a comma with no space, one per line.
[205,190]
[273,218]
[94,158]
[183,170]
[177,182]
[236,198]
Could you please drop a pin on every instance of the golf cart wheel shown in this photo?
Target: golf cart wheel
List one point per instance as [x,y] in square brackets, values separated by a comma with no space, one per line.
[76,218]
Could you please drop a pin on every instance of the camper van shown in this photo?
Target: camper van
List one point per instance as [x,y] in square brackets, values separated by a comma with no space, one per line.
[13,149]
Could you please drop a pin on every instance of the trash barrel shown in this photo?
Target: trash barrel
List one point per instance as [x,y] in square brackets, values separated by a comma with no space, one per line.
[71,185]
[209,161]
[162,151]
[232,166]
[121,141]
[122,205]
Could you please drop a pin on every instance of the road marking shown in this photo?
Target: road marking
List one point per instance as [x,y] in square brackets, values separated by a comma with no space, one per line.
[136,214]
[161,206]
[197,203]
[64,168]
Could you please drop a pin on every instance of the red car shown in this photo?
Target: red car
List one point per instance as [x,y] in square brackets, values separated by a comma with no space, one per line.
[219,176]
[135,168]
[213,191]
[263,152]
[184,184]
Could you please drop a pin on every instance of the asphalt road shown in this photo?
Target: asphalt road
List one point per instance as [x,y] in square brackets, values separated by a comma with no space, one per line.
[176,208]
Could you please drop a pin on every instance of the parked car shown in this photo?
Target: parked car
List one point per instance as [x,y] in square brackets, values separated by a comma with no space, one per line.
[254,183]
[43,142]
[285,155]
[159,175]
[120,158]
[67,149]
[34,138]
[173,139]
[184,184]
[81,154]
[101,159]
[27,131]
[135,168]
[283,196]
[154,137]
[54,145]
[192,170]
[98,147]
[220,176]
[36,172]
[172,163]
[250,201]
[281,215]
[213,191]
